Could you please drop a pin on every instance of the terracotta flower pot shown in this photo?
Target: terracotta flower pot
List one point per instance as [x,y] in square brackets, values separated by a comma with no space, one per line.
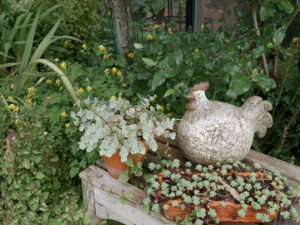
[224,214]
[114,165]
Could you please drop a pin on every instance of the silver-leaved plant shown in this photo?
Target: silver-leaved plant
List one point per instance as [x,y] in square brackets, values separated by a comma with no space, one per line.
[117,125]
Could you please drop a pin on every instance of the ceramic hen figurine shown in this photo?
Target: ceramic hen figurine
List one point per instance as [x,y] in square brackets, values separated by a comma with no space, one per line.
[210,130]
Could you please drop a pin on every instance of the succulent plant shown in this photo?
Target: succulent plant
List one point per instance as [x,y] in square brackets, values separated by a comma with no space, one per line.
[198,185]
[116,124]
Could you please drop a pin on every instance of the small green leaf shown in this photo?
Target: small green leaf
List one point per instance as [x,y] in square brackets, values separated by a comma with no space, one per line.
[148,62]
[178,56]
[169,92]
[241,83]
[158,79]
[258,51]
[178,86]
[266,10]
[74,171]
[278,36]
[26,164]
[265,82]
[129,162]
[286,6]
[124,178]
[39,175]
[157,5]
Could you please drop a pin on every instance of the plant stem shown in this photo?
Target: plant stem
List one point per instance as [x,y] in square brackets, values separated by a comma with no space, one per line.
[254,17]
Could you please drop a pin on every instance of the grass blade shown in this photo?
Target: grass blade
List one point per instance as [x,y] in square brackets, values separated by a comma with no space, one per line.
[62,76]
[29,43]
[50,10]
[2,66]
[45,43]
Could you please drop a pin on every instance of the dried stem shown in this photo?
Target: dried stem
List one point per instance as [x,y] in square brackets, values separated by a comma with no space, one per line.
[254,16]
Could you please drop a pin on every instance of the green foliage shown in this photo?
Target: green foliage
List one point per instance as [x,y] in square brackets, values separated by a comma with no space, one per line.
[169,64]
[80,17]
[34,189]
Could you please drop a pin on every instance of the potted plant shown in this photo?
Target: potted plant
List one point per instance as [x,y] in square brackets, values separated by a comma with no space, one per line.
[225,192]
[121,131]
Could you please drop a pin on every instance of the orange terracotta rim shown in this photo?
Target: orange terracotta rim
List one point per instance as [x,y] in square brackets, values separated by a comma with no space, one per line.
[114,165]
[224,214]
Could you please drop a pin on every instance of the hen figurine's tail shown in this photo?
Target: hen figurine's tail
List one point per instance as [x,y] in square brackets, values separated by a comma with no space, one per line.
[258,111]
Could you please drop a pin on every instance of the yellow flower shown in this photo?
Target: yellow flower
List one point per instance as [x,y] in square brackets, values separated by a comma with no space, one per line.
[130,55]
[106,71]
[149,37]
[104,57]
[16,122]
[202,27]
[57,82]
[163,25]
[84,46]
[28,101]
[89,88]
[152,99]
[196,50]
[31,90]
[114,70]
[101,48]
[162,108]
[63,65]
[63,114]
[67,125]
[170,31]
[295,39]
[56,60]
[12,86]
[155,26]
[80,91]
[113,98]
[12,107]
[66,44]
[10,98]
[243,99]
[49,82]
[235,98]
[169,114]
[119,73]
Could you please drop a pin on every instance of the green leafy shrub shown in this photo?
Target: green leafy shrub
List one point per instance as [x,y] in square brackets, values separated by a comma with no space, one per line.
[80,17]
[34,189]
[167,64]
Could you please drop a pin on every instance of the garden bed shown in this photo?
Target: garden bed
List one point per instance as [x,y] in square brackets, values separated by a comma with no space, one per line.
[107,198]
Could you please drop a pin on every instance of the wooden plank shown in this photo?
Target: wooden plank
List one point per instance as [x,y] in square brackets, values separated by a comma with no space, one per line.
[128,213]
[292,172]
[101,180]
[89,201]
[105,213]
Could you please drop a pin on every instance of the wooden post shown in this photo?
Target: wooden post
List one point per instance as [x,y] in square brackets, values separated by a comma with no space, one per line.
[199,15]
[89,201]
[121,28]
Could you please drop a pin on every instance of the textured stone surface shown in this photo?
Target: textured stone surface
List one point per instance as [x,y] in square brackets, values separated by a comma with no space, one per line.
[212,130]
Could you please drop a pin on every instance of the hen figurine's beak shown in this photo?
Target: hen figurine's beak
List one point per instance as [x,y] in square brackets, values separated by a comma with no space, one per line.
[191,97]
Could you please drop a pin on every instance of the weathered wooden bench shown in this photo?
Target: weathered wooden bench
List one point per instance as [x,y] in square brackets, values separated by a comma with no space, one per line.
[104,196]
